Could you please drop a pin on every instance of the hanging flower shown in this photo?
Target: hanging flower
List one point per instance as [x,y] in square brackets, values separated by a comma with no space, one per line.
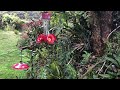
[20,66]
[41,38]
[51,38]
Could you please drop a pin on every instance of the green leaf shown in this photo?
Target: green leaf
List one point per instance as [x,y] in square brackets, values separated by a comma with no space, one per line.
[117,57]
[58,31]
[71,72]
[43,73]
[105,75]
[112,60]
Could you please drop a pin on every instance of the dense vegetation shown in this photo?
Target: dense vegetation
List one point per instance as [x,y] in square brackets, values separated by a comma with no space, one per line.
[75,55]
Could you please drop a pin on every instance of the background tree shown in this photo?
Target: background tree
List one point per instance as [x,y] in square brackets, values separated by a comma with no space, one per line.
[101,26]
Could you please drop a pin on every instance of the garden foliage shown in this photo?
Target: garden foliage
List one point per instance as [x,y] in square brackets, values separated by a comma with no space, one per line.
[70,56]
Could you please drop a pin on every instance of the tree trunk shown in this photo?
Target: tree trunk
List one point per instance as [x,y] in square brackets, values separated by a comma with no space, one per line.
[101,25]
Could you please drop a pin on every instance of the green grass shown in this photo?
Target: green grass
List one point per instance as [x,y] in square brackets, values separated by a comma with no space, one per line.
[9,55]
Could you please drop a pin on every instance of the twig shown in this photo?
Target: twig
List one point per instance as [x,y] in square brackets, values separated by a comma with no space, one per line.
[69,61]
[107,68]
[89,70]
[101,67]
[112,32]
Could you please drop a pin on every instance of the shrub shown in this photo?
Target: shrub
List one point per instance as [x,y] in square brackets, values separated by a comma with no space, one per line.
[11,22]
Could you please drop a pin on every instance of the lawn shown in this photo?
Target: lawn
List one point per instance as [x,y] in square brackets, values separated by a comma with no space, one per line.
[9,55]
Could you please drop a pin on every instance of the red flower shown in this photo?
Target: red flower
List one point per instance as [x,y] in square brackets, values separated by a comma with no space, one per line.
[40,38]
[20,66]
[51,38]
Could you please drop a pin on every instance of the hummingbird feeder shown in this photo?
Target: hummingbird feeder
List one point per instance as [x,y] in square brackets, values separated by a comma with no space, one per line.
[20,65]
[46,16]
[46,36]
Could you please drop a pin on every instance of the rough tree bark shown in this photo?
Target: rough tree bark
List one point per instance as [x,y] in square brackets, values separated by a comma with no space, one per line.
[101,25]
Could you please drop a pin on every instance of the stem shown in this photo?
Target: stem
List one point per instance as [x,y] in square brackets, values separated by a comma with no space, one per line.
[89,70]
[112,32]
[102,67]
[70,61]
[32,64]
[107,68]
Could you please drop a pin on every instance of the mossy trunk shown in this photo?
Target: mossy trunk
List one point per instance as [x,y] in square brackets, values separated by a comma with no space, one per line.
[101,25]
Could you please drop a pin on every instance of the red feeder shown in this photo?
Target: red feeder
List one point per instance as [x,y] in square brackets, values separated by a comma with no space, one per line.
[40,38]
[51,38]
[46,15]
[20,66]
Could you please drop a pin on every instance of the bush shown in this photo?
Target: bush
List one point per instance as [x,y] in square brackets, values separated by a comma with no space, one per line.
[11,22]
[70,57]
